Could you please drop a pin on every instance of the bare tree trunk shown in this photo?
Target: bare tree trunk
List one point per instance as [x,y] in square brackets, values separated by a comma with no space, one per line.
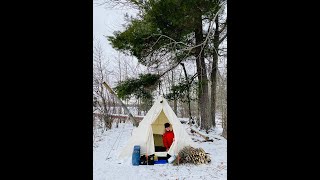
[139,108]
[105,115]
[119,67]
[114,106]
[175,106]
[197,105]
[120,79]
[224,107]
[188,92]
[224,119]
[100,76]
[120,110]
[203,94]
[175,99]
[214,72]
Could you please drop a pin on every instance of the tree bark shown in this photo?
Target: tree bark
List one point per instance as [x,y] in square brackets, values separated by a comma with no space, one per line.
[188,92]
[214,69]
[175,105]
[202,76]
[175,99]
[114,106]
[139,108]
[224,117]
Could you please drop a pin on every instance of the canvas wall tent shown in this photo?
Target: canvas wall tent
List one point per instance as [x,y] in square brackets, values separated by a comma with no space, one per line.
[150,130]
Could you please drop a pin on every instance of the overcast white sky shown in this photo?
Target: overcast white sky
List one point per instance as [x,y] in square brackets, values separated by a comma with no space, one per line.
[105,22]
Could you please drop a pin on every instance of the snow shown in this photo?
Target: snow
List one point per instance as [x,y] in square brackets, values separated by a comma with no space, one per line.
[106,165]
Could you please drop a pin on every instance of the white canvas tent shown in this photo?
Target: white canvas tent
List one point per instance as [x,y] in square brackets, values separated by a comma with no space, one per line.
[152,126]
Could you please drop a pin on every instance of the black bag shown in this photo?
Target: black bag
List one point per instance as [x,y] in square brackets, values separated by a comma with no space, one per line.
[160,149]
[143,160]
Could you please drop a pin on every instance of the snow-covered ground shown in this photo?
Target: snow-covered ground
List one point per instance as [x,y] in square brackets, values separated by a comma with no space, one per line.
[106,165]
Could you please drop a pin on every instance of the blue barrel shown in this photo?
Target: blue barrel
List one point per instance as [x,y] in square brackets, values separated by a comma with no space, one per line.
[136,155]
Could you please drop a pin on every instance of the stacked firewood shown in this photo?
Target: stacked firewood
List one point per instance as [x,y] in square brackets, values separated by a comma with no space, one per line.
[192,155]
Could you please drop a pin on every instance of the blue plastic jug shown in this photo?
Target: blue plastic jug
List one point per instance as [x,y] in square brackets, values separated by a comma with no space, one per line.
[136,155]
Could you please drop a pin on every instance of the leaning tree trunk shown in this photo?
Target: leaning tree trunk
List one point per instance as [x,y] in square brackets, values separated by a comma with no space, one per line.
[214,72]
[203,94]
[135,122]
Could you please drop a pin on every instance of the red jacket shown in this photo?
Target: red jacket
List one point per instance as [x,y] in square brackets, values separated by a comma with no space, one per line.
[167,139]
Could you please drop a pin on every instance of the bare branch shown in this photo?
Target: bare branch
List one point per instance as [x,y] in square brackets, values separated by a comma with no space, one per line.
[162,35]
[112,4]
[225,25]
[215,16]
[193,77]
[171,68]
[221,40]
